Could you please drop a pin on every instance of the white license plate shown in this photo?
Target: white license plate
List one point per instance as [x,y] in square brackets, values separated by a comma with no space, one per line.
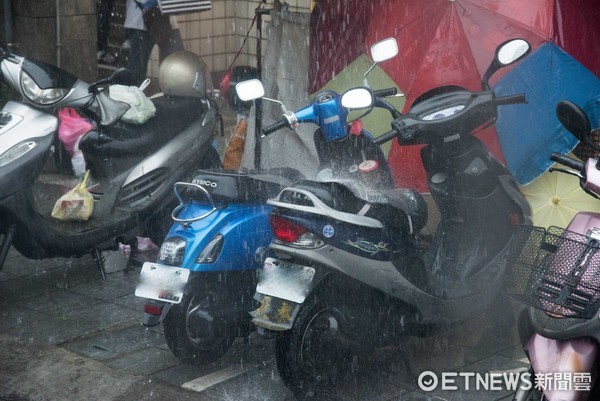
[162,283]
[285,280]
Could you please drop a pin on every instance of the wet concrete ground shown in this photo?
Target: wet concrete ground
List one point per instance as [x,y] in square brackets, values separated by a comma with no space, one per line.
[65,334]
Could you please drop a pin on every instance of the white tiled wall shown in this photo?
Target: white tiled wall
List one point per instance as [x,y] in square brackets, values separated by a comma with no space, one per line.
[218,34]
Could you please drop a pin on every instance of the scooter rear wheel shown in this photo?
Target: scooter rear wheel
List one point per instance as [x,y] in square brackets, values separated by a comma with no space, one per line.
[310,357]
[194,331]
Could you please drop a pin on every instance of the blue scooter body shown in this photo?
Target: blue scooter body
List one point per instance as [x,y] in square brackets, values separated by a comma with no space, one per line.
[244,227]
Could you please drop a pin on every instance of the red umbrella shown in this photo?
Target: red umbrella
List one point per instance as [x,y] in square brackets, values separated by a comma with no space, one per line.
[451,43]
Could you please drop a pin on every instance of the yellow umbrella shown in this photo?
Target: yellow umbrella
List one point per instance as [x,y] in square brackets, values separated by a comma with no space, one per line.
[556,197]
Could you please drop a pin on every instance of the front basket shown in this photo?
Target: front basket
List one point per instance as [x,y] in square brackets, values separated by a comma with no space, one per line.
[555,270]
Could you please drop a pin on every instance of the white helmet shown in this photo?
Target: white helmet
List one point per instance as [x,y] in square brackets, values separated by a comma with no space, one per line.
[184,73]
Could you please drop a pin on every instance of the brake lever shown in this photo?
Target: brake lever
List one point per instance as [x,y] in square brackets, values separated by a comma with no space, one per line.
[570,172]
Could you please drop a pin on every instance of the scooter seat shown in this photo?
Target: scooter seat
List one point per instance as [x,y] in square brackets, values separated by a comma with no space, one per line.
[391,206]
[254,186]
[173,115]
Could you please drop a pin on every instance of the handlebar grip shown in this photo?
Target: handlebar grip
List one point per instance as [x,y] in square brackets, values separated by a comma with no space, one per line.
[511,99]
[388,136]
[567,161]
[385,92]
[275,126]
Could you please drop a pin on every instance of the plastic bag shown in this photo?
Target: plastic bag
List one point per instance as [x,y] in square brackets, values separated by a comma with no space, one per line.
[71,128]
[77,204]
[142,108]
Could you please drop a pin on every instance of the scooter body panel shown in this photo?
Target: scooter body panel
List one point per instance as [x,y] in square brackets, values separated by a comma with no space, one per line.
[24,126]
[245,228]
[384,276]
[585,222]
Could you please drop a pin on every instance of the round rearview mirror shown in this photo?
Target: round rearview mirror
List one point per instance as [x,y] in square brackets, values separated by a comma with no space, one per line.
[511,51]
[250,90]
[357,98]
[384,50]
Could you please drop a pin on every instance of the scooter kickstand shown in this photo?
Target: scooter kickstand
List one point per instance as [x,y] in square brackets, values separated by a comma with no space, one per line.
[100,260]
[6,243]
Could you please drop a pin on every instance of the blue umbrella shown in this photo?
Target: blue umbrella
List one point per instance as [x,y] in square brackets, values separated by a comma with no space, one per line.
[528,134]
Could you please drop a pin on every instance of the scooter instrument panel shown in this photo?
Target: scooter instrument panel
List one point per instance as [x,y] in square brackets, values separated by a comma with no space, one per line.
[443,113]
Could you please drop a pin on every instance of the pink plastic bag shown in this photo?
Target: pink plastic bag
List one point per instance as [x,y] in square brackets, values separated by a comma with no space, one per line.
[72,127]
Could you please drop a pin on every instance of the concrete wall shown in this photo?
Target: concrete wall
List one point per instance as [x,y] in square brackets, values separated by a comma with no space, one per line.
[35,33]
[216,35]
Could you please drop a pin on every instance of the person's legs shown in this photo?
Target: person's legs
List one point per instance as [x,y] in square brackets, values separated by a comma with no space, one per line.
[103,10]
[139,53]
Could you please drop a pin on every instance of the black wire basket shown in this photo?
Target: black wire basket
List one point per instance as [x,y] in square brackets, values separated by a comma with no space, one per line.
[555,270]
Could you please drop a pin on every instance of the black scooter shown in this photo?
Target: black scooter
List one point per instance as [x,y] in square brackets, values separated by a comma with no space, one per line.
[352,271]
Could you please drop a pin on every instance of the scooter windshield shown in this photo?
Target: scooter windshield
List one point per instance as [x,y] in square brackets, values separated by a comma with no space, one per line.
[47,76]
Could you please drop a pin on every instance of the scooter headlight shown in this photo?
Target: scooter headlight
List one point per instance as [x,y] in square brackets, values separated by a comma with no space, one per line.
[172,251]
[15,152]
[38,95]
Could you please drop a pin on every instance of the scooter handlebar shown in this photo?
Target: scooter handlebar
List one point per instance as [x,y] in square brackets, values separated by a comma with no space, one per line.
[511,99]
[567,161]
[275,126]
[388,136]
[385,92]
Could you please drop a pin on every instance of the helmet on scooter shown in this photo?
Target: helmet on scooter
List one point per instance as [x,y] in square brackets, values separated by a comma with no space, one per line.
[184,73]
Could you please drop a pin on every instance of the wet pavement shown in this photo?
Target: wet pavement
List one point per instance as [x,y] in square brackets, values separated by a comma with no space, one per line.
[66,334]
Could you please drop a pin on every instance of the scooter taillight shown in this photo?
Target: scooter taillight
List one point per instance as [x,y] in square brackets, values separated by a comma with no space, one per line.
[286,230]
[153,309]
[292,233]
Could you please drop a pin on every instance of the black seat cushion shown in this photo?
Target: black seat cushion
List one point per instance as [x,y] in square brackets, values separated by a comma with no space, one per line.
[173,115]
[255,186]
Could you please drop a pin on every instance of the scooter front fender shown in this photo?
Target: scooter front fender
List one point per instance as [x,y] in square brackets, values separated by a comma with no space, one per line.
[282,289]
[575,356]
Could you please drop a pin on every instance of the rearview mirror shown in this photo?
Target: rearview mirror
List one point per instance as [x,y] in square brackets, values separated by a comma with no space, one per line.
[512,51]
[250,90]
[507,53]
[574,119]
[384,50]
[357,98]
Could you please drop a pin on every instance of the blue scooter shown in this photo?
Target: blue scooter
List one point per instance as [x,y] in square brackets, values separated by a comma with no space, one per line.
[202,286]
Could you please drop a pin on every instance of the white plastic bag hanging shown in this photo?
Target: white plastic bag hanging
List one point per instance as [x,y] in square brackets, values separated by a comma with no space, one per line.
[142,108]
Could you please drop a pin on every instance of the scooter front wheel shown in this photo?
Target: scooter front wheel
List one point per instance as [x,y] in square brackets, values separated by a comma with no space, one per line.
[194,331]
[312,355]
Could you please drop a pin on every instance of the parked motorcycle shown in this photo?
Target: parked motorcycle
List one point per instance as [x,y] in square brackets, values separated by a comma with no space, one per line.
[133,167]
[557,273]
[352,272]
[203,283]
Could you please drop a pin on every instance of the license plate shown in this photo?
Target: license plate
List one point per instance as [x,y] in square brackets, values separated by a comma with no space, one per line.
[285,280]
[162,283]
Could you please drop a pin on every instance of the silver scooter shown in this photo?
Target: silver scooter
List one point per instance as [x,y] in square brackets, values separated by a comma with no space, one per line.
[133,167]
[352,272]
